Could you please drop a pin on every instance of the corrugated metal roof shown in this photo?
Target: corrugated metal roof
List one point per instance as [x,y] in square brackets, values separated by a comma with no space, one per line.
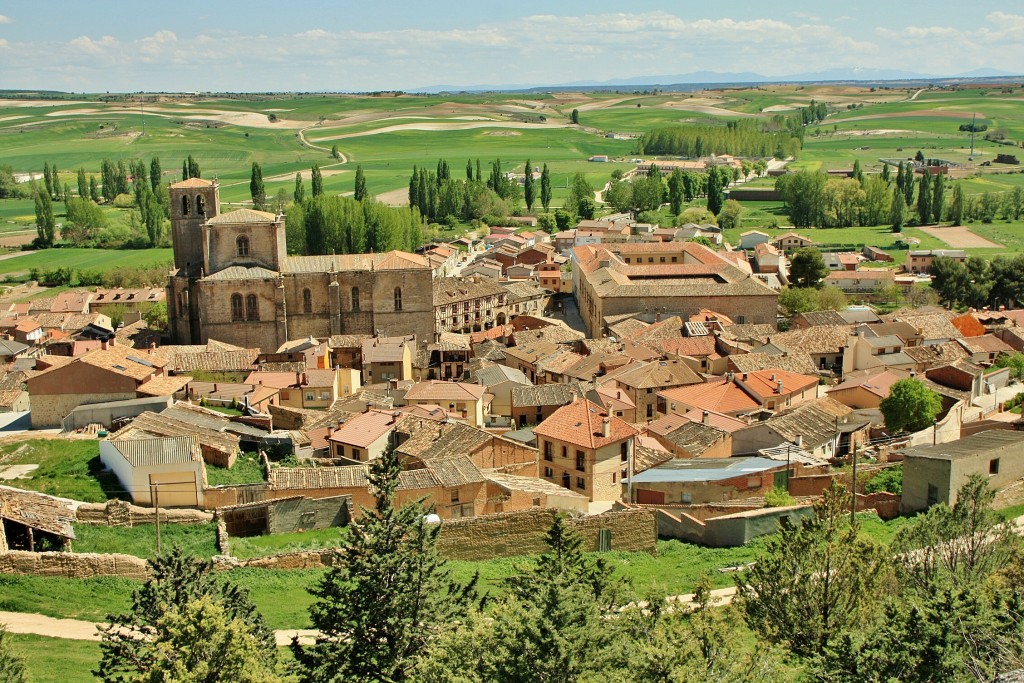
[141,451]
[687,470]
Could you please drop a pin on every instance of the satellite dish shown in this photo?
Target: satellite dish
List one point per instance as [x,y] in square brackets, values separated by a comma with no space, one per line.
[432,518]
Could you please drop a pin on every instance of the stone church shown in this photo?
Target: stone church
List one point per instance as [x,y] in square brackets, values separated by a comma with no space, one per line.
[233,281]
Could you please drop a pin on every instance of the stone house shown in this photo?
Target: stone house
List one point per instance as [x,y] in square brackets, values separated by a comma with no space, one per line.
[534,404]
[861,281]
[866,390]
[386,358]
[934,473]
[315,388]
[920,260]
[790,241]
[462,400]
[468,304]
[641,382]
[363,437]
[585,449]
[499,381]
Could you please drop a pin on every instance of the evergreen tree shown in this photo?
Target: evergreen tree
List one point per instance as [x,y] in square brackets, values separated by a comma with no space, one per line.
[187,621]
[360,185]
[155,173]
[193,168]
[528,186]
[908,184]
[317,181]
[575,116]
[814,580]
[184,170]
[12,666]
[335,154]
[885,172]
[94,189]
[83,184]
[858,174]
[716,189]
[387,595]
[956,206]
[897,210]
[121,178]
[938,197]
[469,169]
[807,268]
[299,193]
[924,197]
[256,189]
[545,187]
[676,190]
[414,186]
[479,176]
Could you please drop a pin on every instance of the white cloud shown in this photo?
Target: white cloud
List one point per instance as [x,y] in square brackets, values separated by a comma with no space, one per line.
[4,19]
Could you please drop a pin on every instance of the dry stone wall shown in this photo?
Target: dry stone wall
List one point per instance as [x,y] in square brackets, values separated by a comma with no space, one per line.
[119,513]
[73,565]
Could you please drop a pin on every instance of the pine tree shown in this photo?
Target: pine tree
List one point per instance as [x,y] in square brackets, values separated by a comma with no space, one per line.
[545,187]
[12,666]
[938,197]
[299,194]
[317,182]
[924,197]
[155,173]
[387,594]
[528,186]
[83,184]
[256,188]
[360,186]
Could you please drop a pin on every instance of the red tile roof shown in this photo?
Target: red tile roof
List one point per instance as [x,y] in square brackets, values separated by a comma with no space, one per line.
[581,423]
[718,395]
[365,428]
[761,382]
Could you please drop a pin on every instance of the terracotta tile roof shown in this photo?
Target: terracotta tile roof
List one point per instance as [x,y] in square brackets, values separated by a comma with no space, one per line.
[193,182]
[695,438]
[688,346]
[645,457]
[560,362]
[931,325]
[531,353]
[936,354]
[820,339]
[988,343]
[877,383]
[365,428]
[392,260]
[74,301]
[489,350]
[348,341]
[243,216]
[216,361]
[669,328]
[435,390]
[554,334]
[655,375]
[764,383]
[581,423]
[510,483]
[793,361]
[717,395]
[814,421]
[164,386]
[813,318]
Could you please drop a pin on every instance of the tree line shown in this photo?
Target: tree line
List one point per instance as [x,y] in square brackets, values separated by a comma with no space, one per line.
[739,138]
[823,603]
[979,282]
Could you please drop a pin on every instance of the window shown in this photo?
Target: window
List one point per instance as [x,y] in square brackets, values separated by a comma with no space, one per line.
[200,205]
[252,307]
[242,245]
[548,472]
[650,410]
[310,396]
[185,208]
[237,313]
[741,320]
[993,466]
[581,483]
[673,259]
[581,464]
[325,396]
[547,451]
[455,495]
[398,298]
[624,451]
[661,259]
[355,298]
[613,477]
[565,452]
[307,301]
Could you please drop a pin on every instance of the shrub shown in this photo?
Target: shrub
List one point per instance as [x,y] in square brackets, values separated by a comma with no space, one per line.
[778,498]
[124,201]
[890,479]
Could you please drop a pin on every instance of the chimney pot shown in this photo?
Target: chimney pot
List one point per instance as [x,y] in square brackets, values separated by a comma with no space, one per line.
[779,389]
[606,427]
[706,418]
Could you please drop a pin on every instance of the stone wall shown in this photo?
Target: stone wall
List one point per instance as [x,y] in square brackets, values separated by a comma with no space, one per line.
[523,533]
[223,496]
[73,565]
[285,516]
[120,513]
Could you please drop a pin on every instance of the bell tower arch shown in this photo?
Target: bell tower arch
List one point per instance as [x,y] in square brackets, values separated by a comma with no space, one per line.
[193,202]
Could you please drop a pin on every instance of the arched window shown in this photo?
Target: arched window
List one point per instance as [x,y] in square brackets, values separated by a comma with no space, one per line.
[185,208]
[307,301]
[398,298]
[237,313]
[242,245]
[252,307]
[200,205]
[355,298]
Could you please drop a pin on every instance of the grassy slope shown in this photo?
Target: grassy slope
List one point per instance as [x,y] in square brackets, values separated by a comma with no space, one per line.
[55,660]
[84,259]
[69,468]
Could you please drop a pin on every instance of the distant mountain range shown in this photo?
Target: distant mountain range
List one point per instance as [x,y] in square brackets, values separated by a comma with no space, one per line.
[730,78]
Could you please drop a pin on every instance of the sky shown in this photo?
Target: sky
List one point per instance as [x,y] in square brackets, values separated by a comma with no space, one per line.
[257,45]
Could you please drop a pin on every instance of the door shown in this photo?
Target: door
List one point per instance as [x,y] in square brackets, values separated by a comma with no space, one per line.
[650,497]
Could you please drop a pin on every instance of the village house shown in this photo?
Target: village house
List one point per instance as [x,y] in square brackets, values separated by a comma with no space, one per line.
[363,437]
[534,404]
[752,238]
[641,382]
[790,241]
[169,467]
[463,401]
[386,358]
[468,304]
[499,381]
[311,389]
[587,450]
[694,482]
[861,281]
[920,260]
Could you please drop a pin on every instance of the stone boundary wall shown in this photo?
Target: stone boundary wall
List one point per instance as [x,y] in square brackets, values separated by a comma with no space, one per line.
[120,513]
[73,565]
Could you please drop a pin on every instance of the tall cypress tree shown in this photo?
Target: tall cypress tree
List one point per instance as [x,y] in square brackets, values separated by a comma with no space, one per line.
[885,172]
[83,184]
[528,186]
[360,186]
[94,189]
[897,210]
[479,176]
[545,187]
[47,180]
[155,173]
[956,207]
[299,193]
[184,170]
[469,169]
[256,189]
[908,184]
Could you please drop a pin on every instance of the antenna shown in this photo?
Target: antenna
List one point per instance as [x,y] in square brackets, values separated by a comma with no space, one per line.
[974,118]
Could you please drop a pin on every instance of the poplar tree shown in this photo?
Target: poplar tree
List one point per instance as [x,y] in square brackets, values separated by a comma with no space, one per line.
[938,196]
[858,174]
[908,184]
[897,210]
[360,187]
[924,197]
[469,169]
[317,181]
[885,172]
[956,206]
[94,189]
[193,168]
[528,186]
[545,187]
[83,184]
[47,179]
[46,226]
[155,173]
[184,170]
[299,194]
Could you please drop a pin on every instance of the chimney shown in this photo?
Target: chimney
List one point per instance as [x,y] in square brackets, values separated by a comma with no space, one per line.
[215,387]
[745,377]
[103,344]
[773,377]
[657,316]
[393,383]
[705,418]
[779,387]
[298,378]
[330,430]
[606,427]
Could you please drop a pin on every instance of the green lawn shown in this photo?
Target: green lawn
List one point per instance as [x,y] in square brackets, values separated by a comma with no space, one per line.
[199,540]
[57,660]
[82,259]
[67,467]
[247,470]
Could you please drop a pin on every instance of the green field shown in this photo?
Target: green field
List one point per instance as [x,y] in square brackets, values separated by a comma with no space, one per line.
[68,468]
[18,267]
[57,660]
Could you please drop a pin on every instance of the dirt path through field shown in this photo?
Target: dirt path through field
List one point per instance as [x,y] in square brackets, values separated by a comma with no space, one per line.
[961,237]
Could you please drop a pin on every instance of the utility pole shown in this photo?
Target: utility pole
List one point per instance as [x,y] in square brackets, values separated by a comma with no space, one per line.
[154,494]
[853,498]
[142,115]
